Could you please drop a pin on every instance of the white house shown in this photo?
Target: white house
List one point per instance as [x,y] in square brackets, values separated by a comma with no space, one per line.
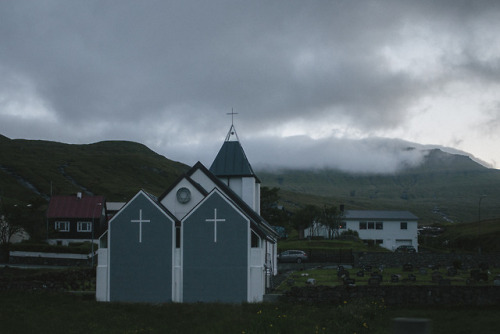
[388,229]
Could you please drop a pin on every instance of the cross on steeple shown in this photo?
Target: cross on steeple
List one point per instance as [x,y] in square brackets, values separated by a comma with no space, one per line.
[232,130]
[232,113]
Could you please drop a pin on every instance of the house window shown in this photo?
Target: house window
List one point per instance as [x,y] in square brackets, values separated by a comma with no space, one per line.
[62,226]
[404,225]
[84,227]
[371,225]
[379,225]
[362,225]
[379,242]
[255,240]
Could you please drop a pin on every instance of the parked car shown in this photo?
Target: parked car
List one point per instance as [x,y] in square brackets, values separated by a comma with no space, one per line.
[292,256]
[406,249]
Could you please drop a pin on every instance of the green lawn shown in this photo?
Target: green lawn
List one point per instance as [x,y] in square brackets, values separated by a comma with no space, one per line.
[39,312]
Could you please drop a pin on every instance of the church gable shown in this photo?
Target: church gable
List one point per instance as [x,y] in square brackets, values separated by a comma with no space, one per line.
[203,177]
[182,196]
[141,243]
[216,238]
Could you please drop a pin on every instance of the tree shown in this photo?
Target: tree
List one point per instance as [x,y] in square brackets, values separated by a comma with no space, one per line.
[332,218]
[305,217]
[8,228]
[270,209]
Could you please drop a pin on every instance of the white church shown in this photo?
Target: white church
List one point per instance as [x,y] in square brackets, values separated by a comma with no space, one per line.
[202,240]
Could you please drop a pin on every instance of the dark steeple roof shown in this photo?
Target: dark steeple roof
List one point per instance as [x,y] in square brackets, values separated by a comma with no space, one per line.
[231,159]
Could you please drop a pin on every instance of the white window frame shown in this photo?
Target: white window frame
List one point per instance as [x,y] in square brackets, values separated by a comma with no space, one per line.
[79,226]
[255,237]
[58,225]
[404,225]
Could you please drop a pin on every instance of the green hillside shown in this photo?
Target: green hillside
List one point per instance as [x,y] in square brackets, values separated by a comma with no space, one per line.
[115,169]
[445,188]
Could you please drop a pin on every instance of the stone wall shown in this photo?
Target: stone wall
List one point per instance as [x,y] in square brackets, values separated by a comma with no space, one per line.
[443,260]
[47,261]
[55,280]
[398,295]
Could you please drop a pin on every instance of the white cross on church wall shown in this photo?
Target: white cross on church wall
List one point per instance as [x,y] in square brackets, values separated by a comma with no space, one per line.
[140,221]
[215,220]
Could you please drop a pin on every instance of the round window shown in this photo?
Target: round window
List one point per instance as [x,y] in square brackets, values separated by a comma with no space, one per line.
[183,195]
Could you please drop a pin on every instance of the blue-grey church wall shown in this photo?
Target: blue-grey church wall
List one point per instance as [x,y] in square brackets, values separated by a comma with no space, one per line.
[215,266]
[140,262]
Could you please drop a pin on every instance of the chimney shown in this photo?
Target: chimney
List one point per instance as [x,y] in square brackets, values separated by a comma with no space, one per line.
[79,195]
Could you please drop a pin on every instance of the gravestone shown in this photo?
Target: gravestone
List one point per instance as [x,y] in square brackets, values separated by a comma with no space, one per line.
[367,268]
[394,278]
[436,277]
[343,274]
[349,281]
[474,274]
[452,271]
[484,266]
[374,281]
[376,275]
[412,278]
[482,277]
[444,282]
[423,271]
[311,281]
[408,267]
[360,273]
[496,280]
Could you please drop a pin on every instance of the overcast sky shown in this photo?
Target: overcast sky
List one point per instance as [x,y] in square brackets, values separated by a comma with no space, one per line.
[346,84]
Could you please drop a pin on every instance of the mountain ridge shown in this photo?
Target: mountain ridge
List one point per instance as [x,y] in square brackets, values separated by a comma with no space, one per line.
[444,187]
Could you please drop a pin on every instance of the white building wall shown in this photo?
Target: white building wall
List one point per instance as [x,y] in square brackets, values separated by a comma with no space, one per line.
[101,293]
[177,279]
[248,192]
[391,234]
[247,189]
[236,185]
[257,197]
[257,275]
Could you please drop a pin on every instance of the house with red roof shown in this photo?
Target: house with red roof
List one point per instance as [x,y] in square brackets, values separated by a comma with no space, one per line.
[75,218]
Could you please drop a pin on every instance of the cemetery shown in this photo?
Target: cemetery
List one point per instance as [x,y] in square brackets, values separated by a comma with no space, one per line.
[404,285]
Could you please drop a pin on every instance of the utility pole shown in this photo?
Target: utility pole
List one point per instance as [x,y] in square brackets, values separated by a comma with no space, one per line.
[479,221]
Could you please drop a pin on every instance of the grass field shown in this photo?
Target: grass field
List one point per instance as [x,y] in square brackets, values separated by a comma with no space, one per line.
[28,312]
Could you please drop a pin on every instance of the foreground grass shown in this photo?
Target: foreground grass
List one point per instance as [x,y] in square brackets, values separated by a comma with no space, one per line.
[24,312]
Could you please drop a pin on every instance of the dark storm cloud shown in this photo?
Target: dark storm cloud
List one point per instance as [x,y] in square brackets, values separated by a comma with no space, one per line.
[121,58]
[157,71]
